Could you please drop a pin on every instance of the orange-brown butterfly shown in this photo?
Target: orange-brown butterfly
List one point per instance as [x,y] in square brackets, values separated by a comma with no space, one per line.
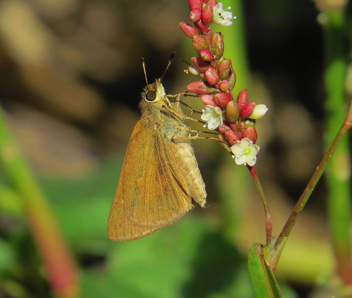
[160,180]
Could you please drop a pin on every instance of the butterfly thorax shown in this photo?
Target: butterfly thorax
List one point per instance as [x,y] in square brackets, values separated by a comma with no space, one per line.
[159,113]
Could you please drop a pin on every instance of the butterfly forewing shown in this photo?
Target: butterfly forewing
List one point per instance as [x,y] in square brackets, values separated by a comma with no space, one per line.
[148,196]
[165,198]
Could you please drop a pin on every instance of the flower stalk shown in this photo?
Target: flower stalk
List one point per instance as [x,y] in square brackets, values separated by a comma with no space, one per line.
[268,218]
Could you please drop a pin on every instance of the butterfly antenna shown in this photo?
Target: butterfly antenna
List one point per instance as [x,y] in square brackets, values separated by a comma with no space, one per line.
[145,72]
[168,65]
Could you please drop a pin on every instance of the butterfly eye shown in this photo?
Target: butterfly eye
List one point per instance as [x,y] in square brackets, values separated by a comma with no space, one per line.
[150,96]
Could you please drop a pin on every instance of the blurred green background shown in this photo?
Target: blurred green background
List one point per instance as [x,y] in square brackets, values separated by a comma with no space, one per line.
[70,81]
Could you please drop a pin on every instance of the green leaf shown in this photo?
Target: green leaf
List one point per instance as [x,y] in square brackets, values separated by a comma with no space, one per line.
[262,277]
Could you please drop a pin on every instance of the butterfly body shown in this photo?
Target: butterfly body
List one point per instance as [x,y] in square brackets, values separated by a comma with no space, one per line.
[160,179]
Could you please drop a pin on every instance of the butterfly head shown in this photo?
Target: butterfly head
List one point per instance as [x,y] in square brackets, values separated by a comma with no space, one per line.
[153,95]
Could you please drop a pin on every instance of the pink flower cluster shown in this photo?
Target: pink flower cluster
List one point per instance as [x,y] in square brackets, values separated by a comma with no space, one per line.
[217,75]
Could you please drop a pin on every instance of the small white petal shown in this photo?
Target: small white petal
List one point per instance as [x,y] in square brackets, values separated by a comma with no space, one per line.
[257,148]
[240,160]
[236,149]
[227,15]
[246,142]
[213,123]
[205,117]
[219,6]
[251,160]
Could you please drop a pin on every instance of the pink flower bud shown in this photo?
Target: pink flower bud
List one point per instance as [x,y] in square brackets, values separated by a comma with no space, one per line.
[250,133]
[242,98]
[214,64]
[232,111]
[207,99]
[211,76]
[188,30]
[207,15]
[200,64]
[217,45]
[195,15]
[202,27]
[195,4]
[223,128]
[247,110]
[241,125]
[225,69]
[233,126]
[258,112]
[221,99]
[206,55]
[231,137]
[199,87]
[199,42]
[224,86]
[211,3]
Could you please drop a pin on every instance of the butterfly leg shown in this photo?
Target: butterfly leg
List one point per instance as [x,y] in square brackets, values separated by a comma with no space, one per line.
[197,137]
[190,108]
[180,115]
[178,96]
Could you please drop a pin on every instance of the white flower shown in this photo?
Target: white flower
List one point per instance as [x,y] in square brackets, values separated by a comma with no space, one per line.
[213,117]
[259,111]
[221,16]
[245,152]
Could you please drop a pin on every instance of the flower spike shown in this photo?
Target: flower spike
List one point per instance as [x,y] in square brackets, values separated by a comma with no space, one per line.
[234,117]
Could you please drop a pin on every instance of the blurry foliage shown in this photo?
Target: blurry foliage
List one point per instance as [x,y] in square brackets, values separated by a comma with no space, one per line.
[70,84]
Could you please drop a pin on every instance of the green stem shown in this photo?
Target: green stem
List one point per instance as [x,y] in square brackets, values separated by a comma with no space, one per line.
[268,218]
[338,172]
[57,258]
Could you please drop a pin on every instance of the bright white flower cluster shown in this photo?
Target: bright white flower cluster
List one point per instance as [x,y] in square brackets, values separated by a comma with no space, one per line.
[221,16]
[245,152]
[213,117]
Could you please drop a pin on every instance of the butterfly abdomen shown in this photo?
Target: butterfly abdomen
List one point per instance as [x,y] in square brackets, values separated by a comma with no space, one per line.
[189,169]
